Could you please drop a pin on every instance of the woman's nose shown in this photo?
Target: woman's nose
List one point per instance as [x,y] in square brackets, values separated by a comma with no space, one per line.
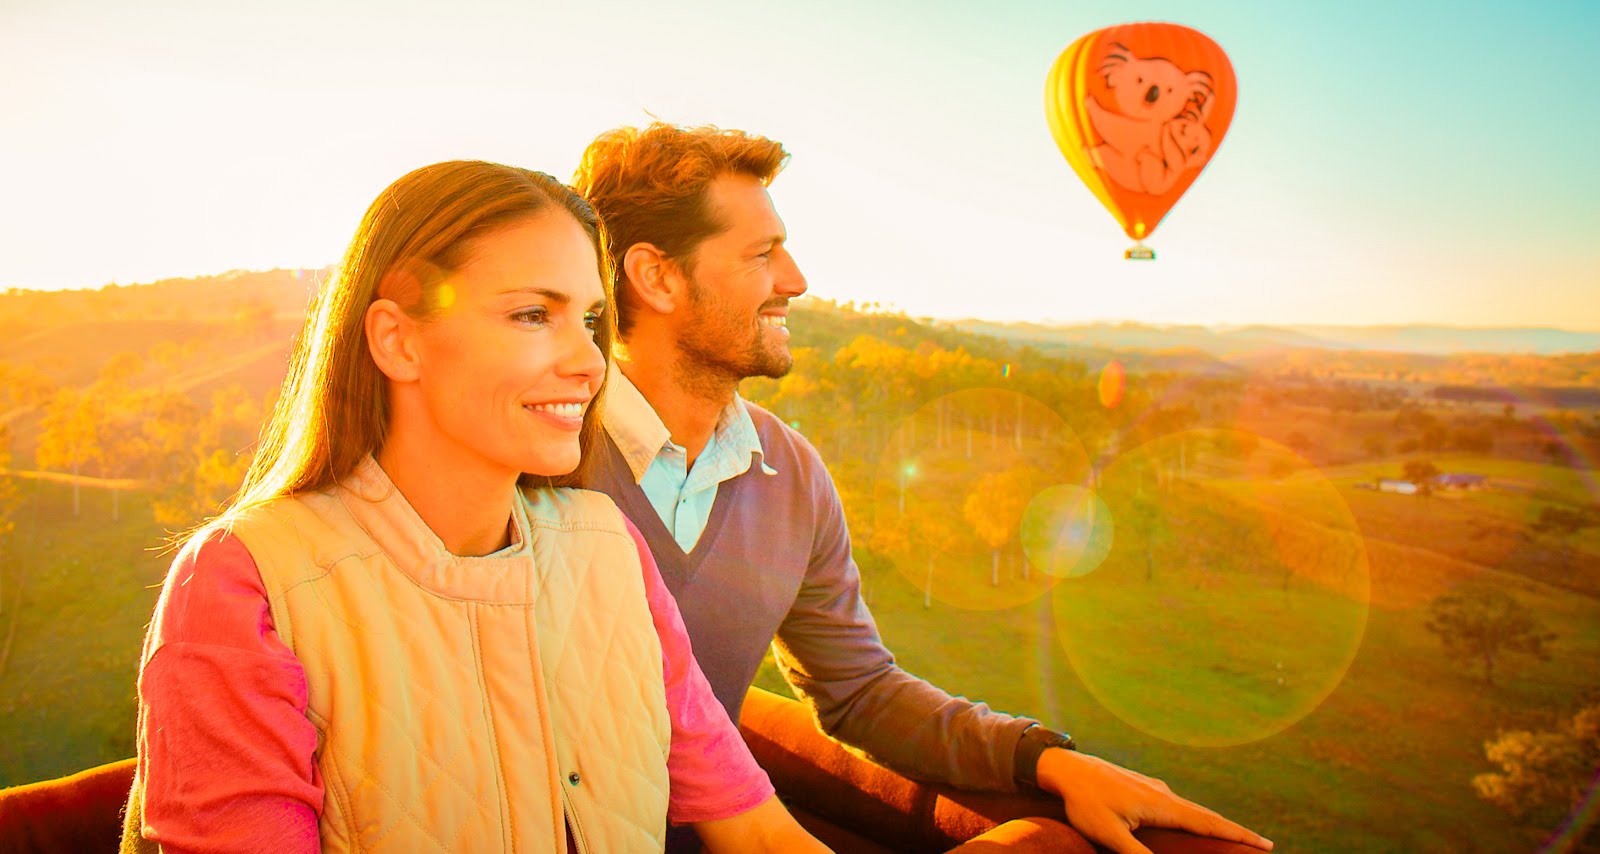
[583,358]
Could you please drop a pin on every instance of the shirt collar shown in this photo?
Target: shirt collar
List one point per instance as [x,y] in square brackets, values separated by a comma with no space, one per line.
[641,436]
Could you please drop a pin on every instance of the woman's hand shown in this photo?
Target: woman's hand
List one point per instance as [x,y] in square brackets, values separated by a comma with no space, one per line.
[1106,803]
[769,827]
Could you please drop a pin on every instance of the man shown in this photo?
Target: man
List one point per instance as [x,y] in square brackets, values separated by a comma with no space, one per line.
[740,513]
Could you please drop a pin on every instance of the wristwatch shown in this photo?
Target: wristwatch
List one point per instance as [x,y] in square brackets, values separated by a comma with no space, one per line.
[1034,742]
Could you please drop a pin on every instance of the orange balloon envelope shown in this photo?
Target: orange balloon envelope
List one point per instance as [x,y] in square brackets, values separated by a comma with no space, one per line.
[1139,110]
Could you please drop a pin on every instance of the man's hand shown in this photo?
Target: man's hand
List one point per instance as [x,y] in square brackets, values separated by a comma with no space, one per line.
[1106,803]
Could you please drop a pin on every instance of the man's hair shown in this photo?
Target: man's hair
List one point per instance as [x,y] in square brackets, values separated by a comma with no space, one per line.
[649,186]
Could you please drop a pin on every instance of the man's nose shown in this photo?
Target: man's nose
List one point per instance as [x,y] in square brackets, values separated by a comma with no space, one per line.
[790,281]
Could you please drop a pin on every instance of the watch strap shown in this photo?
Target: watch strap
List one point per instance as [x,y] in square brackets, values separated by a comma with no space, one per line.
[1034,742]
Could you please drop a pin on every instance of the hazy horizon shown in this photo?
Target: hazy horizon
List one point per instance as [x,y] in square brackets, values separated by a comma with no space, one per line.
[1222,325]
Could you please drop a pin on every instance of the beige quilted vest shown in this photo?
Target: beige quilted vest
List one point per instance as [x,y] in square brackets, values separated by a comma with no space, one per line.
[468,704]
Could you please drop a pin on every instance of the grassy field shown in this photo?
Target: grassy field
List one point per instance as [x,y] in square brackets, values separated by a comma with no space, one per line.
[87,588]
[1383,764]
[1370,745]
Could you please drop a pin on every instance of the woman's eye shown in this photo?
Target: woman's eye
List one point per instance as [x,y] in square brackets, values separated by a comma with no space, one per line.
[532,316]
[591,321]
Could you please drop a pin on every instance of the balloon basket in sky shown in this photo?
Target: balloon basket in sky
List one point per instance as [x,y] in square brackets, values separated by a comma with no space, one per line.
[1138,110]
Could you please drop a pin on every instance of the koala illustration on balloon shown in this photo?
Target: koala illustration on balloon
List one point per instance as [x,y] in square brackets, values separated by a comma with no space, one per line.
[1158,129]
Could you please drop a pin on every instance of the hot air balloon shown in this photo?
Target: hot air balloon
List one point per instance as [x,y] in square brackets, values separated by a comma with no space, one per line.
[1139,110]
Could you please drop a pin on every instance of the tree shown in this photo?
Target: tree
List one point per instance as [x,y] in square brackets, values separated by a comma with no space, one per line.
[199,464]
[120,370]
[1435,438]
[23,386]
[252,319]
[100,429]
[1554,452]
[994,508]
[1482,624]
[1420,472]
[121,446]
[69,435]
[1563,521]
[1543,772]
[1147,523]
[936,538]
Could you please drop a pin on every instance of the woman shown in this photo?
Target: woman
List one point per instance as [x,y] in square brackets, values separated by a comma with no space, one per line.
[384,644]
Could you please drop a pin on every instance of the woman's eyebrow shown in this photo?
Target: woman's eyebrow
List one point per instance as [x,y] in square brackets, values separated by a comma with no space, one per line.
[552,295]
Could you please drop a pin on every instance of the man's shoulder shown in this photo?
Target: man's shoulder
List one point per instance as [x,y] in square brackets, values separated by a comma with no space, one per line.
[779,439]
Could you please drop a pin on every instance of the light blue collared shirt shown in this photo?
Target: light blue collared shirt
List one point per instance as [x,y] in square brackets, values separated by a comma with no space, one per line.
[681,496]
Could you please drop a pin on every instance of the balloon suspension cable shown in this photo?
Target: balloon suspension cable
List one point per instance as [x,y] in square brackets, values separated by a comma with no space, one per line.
[1139,252]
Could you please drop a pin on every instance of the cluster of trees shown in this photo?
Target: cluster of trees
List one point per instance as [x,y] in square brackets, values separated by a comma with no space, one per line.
[1427,432]
[1438,423]
[864,374]
[1475,369]
[1543,775]
[118,428]
[22,387]
[284,293]
[1334,395]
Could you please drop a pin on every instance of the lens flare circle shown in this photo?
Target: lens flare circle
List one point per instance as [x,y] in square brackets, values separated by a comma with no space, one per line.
[1233,598]
[1067,531]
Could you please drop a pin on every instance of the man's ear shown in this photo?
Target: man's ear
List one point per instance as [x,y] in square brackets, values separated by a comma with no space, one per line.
[654,279]
[391,339]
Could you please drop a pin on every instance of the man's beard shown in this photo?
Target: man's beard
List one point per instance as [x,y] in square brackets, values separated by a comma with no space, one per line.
[718,348]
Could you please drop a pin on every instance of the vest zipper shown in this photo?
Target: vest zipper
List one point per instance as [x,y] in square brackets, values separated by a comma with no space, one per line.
[578,838]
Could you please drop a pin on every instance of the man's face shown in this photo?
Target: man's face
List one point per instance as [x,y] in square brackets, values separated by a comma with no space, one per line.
[740,287]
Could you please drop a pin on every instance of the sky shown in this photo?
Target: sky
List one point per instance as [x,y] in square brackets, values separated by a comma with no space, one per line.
[1389,162]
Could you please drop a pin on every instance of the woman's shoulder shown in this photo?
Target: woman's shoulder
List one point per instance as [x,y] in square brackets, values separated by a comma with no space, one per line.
[309,509]
[212,594]
[312,529]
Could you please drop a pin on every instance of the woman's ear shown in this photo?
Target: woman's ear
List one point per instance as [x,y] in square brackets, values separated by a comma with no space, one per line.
[391,338]
[652,277]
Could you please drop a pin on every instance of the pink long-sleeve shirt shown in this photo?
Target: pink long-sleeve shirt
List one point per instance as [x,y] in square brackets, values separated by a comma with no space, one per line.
[227,751]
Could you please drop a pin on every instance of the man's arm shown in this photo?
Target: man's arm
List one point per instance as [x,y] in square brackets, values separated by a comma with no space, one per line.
[829,649]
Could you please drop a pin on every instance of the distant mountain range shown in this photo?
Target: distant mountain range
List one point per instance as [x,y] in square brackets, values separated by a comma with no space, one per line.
[1227,343]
